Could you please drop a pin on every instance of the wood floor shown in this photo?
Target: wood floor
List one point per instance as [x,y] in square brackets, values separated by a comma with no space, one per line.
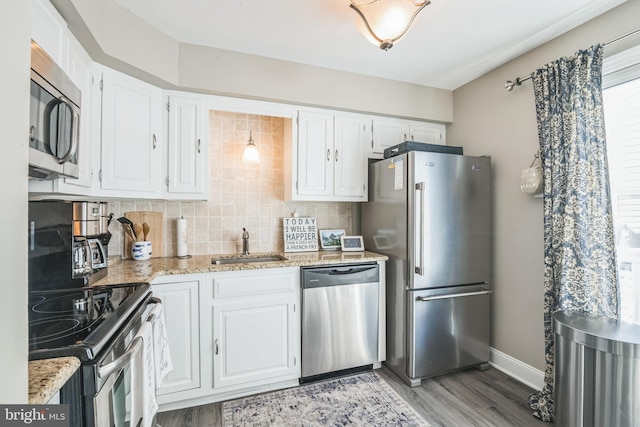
[470,398]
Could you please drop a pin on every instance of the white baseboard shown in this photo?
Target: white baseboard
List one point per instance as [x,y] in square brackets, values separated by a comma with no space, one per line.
[522,372]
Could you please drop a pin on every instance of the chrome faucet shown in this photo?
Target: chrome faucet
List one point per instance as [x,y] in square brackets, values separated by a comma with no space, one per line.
[245,242]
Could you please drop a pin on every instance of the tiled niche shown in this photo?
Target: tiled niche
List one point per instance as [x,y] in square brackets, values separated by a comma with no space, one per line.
[240,195]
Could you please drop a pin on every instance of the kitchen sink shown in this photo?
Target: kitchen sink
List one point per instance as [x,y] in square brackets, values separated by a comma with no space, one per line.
[245,259]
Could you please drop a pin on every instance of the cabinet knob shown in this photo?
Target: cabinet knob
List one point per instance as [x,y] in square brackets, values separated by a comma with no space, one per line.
[215,343]
[336,155]
[155,141]
[328,155]
[199,145]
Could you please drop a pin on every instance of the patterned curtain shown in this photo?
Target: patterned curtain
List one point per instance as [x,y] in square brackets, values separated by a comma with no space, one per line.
[580,273]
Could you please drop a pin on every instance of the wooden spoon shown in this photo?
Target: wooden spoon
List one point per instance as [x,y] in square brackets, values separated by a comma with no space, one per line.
[137,229]
[145,229]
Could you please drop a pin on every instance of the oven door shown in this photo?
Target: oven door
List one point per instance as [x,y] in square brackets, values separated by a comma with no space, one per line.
[119,401]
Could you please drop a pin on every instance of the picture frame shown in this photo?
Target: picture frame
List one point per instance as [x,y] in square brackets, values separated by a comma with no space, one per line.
[352,243]
[300,234]
[330,239]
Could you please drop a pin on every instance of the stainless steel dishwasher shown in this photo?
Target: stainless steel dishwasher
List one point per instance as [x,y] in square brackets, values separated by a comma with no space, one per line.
[339,318]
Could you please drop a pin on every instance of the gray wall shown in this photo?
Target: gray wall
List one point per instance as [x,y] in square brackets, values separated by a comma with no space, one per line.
[490,120]
[15,31]
[116,38]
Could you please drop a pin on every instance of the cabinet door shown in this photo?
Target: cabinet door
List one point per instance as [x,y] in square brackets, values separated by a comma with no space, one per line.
[187,147]
[431,133]
[49,30]
[349,160]
[254,340]
[315,154]
[80,71]
[180,302]
[387,133]
[131,115]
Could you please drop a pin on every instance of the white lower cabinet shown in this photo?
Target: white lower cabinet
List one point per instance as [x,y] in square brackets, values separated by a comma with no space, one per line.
[180,299]
[255,327]
[231,334]
[253,340]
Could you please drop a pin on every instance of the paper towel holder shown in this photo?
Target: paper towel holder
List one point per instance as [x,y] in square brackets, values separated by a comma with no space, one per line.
[178,237]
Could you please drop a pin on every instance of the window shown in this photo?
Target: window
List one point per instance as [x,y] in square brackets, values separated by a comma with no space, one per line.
[621,81]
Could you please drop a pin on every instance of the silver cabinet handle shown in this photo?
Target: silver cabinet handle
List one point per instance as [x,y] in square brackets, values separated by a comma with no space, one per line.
[215,343]
[155,141]
[468,294]
[328,155]
[199,145]
[336,155]
[420,189]
[405,136]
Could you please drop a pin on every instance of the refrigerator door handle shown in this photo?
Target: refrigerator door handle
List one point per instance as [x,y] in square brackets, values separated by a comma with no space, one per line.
[468,294]
[420,269]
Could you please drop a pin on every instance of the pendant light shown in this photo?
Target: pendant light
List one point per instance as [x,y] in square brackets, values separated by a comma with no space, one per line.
[387,21]
[250,153]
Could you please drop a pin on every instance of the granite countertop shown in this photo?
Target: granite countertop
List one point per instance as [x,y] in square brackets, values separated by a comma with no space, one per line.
[127,271]
[47,376]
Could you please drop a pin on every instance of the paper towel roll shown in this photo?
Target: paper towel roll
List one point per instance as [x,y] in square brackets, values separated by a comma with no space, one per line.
[181,237]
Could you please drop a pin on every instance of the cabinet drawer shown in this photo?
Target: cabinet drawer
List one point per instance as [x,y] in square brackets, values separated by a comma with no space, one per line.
[255,282]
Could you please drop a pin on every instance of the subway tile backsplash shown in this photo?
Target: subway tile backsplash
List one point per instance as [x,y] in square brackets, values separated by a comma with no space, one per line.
[240,195]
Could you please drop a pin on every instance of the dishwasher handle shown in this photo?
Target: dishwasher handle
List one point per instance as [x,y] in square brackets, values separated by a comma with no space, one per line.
[448,296]
[339,275]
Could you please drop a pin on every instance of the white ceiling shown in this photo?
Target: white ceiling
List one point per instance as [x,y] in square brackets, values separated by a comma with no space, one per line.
[451,42]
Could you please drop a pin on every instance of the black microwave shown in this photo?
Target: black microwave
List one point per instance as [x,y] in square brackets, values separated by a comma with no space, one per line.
[54,119]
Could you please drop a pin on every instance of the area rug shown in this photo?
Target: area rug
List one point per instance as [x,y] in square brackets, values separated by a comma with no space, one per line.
[359,400]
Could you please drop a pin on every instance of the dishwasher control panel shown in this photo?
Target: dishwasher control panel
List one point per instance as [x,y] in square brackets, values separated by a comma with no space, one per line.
[339,275]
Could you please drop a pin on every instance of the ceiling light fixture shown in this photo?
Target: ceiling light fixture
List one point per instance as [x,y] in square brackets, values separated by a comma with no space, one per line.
[250,153]
[387,21]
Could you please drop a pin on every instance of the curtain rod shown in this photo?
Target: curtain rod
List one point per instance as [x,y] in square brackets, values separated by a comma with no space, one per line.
[509,84]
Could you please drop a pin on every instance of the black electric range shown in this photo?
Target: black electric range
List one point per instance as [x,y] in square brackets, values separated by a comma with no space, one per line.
[81,322]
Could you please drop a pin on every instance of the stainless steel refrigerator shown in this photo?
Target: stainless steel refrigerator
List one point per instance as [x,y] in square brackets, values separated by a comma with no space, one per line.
[430,213]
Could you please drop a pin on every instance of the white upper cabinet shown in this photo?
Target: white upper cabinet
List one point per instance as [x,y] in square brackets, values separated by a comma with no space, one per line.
[315,154]
[387,133]
[350,163]
[80,71]
[187,148]
[49,30]
[131,150]
[328,160]
[431,133]
[390,132]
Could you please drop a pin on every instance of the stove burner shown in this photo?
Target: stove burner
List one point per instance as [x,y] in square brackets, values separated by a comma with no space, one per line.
[80,321]
[53,328]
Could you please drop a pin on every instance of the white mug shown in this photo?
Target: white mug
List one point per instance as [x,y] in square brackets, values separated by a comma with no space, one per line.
[141,251]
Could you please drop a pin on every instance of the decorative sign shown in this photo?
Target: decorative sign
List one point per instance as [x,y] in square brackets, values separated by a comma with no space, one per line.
[300,234]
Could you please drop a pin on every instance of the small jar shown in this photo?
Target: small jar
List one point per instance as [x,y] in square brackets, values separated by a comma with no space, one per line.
[141,251]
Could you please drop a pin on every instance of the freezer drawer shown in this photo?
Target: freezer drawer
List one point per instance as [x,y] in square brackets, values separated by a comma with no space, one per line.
[448,329]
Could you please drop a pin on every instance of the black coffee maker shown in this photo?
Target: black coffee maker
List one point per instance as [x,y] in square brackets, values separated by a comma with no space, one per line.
[67,243]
